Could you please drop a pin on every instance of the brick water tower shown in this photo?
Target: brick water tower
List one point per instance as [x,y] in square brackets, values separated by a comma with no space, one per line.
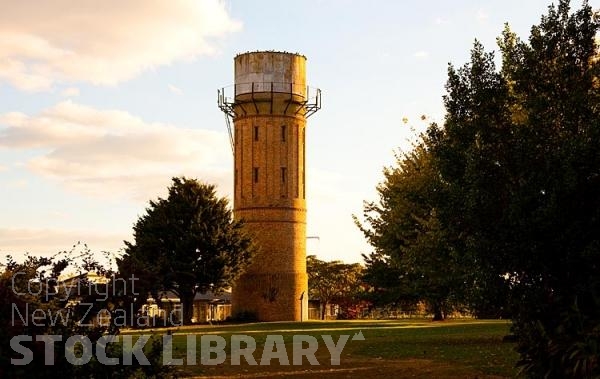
[269,104]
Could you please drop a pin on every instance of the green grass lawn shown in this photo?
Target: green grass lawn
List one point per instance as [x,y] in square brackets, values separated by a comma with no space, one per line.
[453,348]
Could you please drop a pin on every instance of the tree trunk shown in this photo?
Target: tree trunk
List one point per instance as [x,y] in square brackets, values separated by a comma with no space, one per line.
[187,308]
[323,310]
[438,315]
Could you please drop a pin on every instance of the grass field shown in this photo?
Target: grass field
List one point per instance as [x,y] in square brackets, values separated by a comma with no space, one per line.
[390,349]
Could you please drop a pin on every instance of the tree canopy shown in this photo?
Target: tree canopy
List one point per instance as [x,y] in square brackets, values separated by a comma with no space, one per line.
[334,282]
[412,261]
[45,297]
[187,243]
[515,169]
[520,165]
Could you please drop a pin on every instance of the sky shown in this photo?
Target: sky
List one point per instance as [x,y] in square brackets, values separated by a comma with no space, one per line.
[101,103]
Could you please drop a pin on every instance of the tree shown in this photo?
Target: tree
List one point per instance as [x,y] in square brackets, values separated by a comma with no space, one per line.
[473,157]
[412,260]
[36,303]
[333,282]
[518,159]
[187,243]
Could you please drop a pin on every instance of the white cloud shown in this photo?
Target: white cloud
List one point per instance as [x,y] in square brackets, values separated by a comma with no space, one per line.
[17,184]
[47,242]
[175,90]
[3,168]
[421,54]
[482,15]
[106,42]
[440,21]
[111,153]
[70,92]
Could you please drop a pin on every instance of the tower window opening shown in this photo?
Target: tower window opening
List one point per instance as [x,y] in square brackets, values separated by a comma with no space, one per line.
[283,132]
[283,175]
[255,174]
[256,133]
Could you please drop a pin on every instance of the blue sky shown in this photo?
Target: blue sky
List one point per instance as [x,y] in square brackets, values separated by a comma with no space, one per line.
[101,105]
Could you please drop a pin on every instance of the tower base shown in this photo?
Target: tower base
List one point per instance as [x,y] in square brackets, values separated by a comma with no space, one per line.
[271,297]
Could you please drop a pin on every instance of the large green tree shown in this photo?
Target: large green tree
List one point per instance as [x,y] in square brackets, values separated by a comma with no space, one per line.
[412,260]
[334,282]
[519,162]
[187,243]
[473,157]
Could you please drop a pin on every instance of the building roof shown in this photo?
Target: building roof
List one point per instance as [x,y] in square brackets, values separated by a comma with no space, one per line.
[207,296]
